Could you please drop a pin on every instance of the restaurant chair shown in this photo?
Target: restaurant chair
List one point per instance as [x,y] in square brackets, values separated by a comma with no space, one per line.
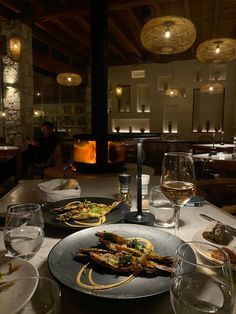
[37,169]
[206,139]
[221,192]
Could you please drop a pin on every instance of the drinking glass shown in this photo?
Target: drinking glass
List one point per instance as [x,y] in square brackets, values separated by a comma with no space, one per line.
[201,280]
[30,295]
[161,207]
[23,230]
[177,181]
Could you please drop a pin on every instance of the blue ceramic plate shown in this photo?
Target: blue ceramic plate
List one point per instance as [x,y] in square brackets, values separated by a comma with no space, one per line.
[65,268]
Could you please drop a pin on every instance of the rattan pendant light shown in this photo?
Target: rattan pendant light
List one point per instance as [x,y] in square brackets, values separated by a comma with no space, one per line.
[212,88]
[168,34]
[217,50]
[69,79]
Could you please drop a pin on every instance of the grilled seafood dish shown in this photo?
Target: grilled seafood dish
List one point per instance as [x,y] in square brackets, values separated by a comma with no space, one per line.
[125,255]
[79,210]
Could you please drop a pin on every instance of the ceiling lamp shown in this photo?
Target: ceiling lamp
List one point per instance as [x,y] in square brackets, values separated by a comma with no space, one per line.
[218,50]
[168,34]
[69,79]
[171,92]
[14,47]
[212,89]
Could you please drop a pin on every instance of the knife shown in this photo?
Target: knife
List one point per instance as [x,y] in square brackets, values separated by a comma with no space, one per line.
[227,227]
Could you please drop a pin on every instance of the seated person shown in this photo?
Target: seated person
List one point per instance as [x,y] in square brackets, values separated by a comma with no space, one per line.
[41,149]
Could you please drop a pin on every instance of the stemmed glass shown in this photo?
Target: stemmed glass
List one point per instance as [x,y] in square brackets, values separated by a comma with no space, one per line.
[23,230]
[201,280]
[177,181]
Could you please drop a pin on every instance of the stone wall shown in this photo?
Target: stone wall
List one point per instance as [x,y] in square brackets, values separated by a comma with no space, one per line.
[18,86]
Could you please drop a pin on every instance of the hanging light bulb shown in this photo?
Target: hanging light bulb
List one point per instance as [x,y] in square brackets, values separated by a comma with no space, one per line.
[217,48]
[167,31]
[119,90]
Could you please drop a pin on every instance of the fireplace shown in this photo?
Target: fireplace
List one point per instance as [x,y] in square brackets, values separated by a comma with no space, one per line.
[98,153]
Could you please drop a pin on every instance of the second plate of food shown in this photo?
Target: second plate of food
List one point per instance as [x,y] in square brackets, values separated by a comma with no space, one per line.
[84,212]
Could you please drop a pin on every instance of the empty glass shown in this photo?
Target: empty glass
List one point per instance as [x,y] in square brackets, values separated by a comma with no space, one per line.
[30,295]
[161,208]
[23,230]
[201,280]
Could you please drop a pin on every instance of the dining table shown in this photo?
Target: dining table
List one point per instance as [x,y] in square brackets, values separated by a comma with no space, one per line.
[12,151]
[207,147]
[107,185]
[222,162]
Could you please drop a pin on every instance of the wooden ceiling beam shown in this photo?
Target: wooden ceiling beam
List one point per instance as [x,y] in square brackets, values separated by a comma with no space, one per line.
[54,44]
[187,14]
[73,33]
[216,19]
[48,63]
[57,35]
[12,5]
[114,28]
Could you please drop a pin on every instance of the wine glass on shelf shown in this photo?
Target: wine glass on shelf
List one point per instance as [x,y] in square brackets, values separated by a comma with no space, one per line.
[178,181]
[201,280]
[24,229]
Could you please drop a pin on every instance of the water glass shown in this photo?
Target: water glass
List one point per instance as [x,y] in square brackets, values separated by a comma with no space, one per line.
[30,295]
[23,230]
[161,208]
[201,280]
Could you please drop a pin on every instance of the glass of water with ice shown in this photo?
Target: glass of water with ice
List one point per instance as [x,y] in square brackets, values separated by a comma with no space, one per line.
[23,230]
[161,207]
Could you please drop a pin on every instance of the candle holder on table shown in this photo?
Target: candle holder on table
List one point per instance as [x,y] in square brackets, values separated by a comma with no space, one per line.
[139,217]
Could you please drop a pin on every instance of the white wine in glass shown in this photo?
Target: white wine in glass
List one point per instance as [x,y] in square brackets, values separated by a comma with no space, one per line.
[178,180]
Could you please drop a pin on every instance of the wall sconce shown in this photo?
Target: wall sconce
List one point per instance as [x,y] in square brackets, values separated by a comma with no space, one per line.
[15,47]
[118,90]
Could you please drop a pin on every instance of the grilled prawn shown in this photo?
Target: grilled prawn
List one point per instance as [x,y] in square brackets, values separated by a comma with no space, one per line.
[85,210]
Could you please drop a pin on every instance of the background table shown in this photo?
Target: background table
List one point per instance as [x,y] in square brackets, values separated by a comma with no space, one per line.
[74,302]
[207,147]
[222,162]
[15,152]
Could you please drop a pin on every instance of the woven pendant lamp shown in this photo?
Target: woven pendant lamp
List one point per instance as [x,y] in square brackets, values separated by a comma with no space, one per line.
[212,88]
[168,35]
[172,92]
[69,79]
[217,50]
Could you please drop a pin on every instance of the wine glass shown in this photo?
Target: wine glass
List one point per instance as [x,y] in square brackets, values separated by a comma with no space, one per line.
[201,280]
[177,181]
[23,230]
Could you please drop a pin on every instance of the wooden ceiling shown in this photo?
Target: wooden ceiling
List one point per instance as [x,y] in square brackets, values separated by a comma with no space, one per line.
[61,28]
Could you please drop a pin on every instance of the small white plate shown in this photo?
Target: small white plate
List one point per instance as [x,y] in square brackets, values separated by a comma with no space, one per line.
[231,245]
[14,298]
